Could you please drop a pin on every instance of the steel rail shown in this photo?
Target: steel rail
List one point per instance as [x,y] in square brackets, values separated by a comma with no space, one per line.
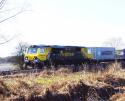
[13,72]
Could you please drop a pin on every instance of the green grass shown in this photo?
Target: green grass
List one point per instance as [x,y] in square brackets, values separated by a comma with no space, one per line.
[50,80]
[47,81]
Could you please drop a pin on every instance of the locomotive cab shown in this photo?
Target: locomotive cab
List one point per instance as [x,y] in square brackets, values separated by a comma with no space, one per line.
[36,56]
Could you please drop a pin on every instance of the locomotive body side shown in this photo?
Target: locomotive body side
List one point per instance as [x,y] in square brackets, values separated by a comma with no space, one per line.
[68,55]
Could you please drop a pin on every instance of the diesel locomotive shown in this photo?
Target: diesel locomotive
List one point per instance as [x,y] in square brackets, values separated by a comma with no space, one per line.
[46,55]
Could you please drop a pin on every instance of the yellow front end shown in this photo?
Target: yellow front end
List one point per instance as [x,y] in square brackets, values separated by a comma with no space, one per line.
[41,54]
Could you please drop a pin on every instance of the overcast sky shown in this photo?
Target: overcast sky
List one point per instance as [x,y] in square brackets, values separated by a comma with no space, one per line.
[62,22]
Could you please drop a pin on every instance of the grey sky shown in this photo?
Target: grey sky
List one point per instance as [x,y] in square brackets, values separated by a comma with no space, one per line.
[63,22]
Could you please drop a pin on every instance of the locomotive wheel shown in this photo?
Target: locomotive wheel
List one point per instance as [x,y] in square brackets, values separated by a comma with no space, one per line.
[38,66]
[25,66]
[48,64]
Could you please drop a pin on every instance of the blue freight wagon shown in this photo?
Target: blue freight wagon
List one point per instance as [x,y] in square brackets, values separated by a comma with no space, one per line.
[102,53]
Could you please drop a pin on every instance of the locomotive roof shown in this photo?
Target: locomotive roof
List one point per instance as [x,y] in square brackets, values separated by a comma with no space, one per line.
[53,46]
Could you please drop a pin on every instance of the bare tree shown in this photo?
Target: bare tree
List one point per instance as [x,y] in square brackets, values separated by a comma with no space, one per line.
[114,42]
[19,53]
[2,4]
[5,40]
[21,48]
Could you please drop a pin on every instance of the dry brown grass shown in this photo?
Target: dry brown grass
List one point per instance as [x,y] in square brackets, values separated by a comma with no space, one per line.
[118,97]
[62,84]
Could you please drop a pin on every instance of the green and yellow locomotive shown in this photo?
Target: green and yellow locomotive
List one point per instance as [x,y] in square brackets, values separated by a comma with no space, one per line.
[39,55]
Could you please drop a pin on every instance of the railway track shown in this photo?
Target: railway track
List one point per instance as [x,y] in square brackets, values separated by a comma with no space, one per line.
[10,73]
[13,72]
[29,71]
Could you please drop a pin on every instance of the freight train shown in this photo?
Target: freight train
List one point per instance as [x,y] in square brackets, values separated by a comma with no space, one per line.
[47,55]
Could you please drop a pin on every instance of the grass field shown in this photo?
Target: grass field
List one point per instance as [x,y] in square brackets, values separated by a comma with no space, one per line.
[63,85]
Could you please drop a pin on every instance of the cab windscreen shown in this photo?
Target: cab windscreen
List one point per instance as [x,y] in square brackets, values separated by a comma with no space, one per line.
[32,50]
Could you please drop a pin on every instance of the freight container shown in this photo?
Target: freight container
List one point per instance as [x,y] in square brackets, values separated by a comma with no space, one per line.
[102,53]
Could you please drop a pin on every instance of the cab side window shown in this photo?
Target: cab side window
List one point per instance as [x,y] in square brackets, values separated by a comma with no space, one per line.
[42,50]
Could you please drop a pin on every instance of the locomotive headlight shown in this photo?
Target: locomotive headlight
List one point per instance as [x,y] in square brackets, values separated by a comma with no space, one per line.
[26,58]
